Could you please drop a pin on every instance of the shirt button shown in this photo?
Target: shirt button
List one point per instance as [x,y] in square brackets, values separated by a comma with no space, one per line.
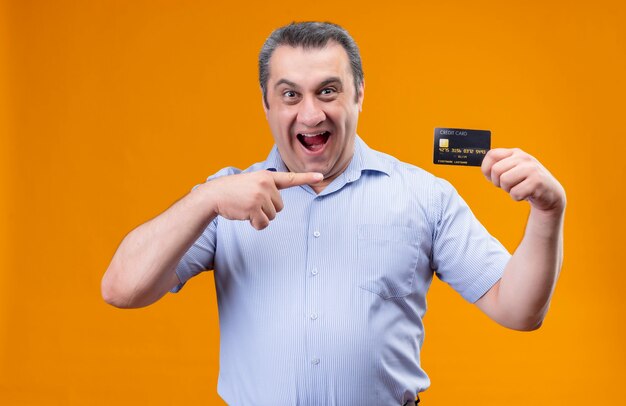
[316,234]
[314,271]
[313,316]
[315,361]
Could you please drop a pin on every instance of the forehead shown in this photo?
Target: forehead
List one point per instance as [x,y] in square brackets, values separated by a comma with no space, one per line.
[300,65]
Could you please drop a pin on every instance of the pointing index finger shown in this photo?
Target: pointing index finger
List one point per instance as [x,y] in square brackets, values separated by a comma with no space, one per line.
[285,180]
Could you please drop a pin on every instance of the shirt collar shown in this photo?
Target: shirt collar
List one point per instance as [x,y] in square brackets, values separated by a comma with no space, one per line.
[364,159]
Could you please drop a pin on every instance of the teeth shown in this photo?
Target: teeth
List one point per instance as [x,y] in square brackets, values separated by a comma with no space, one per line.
[312,135]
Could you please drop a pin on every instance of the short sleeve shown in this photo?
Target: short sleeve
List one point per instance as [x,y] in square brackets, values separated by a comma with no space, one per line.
[200,256]
[464,254]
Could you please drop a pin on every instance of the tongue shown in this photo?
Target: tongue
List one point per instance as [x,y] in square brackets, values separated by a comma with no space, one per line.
[315,140]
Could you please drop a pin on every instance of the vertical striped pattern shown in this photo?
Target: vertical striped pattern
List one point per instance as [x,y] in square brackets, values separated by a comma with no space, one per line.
[325,306]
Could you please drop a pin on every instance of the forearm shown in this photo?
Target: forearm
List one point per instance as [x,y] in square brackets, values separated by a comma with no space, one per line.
[143,268]
[526,287]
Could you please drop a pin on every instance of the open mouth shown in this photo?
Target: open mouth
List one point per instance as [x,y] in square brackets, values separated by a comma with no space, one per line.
[313,141]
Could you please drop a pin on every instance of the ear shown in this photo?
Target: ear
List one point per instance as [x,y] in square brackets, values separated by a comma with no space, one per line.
[265,108]
[361,96]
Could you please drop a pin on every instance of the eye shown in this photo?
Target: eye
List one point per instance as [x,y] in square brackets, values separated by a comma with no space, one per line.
[327,91]
[290,94]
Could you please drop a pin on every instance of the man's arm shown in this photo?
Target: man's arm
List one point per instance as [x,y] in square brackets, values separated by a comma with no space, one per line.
[143,268]
[520,300]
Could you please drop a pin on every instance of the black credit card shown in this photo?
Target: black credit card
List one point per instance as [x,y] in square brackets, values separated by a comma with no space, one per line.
[459,146]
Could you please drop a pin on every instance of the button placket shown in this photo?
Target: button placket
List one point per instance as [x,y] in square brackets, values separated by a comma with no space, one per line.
[313,284]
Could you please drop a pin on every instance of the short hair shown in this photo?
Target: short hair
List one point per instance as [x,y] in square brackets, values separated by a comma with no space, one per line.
[309,35]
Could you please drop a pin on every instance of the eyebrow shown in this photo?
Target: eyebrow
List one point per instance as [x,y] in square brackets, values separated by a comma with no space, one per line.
[285,82]
[330,80]
[326,82]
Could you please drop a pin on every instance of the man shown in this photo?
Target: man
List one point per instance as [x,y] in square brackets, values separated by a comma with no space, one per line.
[323,302]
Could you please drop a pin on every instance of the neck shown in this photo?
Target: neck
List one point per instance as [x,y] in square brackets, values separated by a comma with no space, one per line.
[319,187]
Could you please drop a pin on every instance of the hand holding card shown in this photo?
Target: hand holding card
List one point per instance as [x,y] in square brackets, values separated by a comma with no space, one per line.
[524,178]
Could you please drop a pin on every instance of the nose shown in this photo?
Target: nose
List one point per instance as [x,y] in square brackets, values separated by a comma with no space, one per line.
[310,112]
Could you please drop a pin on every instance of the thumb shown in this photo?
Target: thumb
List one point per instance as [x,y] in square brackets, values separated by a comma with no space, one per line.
[289,179]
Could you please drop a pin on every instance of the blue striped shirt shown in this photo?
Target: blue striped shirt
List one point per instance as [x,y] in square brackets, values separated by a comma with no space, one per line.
[325,306]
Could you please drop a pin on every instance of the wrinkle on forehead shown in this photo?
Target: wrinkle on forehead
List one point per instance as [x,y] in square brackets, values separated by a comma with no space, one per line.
[296,64]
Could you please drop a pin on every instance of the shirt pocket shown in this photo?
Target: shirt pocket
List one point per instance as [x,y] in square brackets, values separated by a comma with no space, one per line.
[387,259]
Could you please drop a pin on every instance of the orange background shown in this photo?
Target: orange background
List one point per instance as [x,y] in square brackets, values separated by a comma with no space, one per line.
[112,110]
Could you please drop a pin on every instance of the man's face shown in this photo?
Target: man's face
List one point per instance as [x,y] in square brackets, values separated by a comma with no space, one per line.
[313,110]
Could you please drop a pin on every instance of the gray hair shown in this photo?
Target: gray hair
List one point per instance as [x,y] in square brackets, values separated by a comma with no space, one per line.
[309,35]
